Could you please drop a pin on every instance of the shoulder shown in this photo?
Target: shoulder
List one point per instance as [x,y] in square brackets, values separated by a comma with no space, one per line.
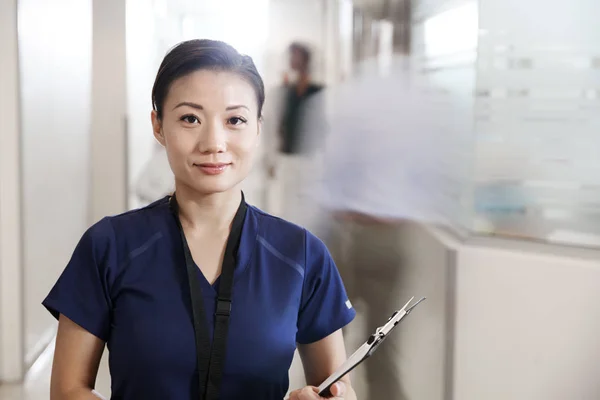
[288,238]
[122,233]
[109,247]
[141,219]
[272,226]
[315,88]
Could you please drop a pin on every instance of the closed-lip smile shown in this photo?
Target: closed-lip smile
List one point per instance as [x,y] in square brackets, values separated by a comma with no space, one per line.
[212,168]
[212,165]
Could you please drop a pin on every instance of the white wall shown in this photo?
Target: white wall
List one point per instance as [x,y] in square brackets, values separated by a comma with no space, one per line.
[47,151]
[527,325]
[109,110]
[425,347]
[143,58]
[503,320]
[55,49]
[11,304]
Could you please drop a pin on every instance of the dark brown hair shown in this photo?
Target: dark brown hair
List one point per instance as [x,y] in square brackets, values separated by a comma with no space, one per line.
[204,54]
[303,50]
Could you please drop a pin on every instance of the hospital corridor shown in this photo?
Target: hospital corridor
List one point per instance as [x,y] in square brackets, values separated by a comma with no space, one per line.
[212,199]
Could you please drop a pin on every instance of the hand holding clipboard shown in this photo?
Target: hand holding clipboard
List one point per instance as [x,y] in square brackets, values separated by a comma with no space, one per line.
[368,348]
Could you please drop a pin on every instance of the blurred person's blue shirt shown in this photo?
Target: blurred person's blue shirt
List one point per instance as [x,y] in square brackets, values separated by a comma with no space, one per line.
[388,152]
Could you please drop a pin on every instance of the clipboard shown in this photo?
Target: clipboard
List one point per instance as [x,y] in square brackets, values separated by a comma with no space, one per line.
[368,348]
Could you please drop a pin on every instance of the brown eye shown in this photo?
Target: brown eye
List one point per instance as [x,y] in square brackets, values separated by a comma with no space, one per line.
[236,121]
[190,119]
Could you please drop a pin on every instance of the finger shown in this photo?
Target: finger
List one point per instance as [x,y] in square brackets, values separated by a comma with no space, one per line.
[307,393]
[310,393]
[338,389]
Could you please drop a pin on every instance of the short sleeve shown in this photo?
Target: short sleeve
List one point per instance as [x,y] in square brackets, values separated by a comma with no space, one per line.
[325,307]
[81,292]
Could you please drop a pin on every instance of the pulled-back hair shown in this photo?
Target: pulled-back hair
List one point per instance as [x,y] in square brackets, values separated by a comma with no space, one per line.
[204,54]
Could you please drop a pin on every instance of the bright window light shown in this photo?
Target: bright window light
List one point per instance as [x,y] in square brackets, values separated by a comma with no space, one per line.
[243,24]
[453,31]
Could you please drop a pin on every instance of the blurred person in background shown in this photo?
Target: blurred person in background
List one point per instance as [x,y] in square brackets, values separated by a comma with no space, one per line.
[378,159]
[156,179]
[299,87]
[299,118]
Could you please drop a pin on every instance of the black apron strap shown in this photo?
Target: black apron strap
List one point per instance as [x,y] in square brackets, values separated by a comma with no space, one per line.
[211,359]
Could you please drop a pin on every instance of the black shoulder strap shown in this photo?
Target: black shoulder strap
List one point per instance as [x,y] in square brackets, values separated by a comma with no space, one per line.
[223,309]
[211,359]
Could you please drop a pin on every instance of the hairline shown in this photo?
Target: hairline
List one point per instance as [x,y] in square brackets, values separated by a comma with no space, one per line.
[213,68]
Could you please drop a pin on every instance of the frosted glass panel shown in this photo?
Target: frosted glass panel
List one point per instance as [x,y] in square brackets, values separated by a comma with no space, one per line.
[444,43]
[537,120]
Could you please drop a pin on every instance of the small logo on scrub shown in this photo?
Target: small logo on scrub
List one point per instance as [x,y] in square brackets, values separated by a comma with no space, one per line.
[348,304]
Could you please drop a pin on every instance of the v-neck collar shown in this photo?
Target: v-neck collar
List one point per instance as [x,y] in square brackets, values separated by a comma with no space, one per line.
[248,241]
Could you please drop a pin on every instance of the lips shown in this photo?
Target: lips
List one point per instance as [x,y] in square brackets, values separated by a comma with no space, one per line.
[212,168]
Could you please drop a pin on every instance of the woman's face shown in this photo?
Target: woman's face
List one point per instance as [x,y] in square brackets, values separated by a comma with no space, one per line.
[210,129]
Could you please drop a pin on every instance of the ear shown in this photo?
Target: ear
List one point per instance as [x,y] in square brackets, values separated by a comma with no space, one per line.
[157,127]
[260,126]
[259,130]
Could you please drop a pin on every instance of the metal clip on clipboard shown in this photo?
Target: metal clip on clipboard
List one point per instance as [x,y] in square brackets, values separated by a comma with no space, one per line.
[368,348]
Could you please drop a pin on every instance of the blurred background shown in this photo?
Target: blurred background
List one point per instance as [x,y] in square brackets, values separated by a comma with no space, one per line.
[440,148]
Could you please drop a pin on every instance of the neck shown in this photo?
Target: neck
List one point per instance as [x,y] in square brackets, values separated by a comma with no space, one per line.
[302,84]
[303,76]
[207,211]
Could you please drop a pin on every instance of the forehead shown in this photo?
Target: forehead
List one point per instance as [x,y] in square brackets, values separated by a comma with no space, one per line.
[296,51]
[212,89]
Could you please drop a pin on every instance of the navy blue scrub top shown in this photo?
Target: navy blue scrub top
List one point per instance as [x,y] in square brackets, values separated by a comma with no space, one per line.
[126,283]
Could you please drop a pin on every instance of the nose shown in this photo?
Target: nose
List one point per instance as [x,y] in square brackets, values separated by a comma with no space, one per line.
[213,138]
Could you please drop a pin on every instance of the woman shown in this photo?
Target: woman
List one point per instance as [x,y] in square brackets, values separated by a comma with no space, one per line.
[198,295]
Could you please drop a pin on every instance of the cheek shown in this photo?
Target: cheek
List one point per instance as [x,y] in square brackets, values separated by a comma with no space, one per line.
[245,145]
[177,147]
[178,139]
[175,158]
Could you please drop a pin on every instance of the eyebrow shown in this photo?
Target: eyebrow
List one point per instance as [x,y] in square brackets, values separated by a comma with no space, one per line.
[237,107]
[199,107]
[189,104]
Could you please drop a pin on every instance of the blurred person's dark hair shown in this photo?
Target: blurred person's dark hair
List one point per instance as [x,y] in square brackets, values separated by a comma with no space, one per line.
[204,54]
[304,53]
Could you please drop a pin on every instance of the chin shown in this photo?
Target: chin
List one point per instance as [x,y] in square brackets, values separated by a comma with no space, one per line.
[216,186]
